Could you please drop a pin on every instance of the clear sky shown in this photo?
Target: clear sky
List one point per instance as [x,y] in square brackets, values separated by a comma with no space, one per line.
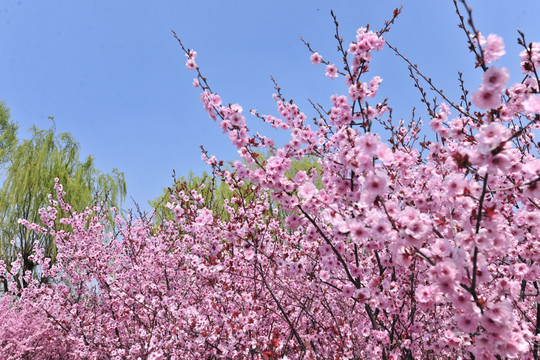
[111,73]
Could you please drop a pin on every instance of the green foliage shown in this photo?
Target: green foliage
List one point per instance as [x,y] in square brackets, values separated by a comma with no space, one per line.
[30,169]
[307,164]
[8,133]
[215,192]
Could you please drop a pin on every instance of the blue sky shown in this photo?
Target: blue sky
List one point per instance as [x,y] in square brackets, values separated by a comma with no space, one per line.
[111,73]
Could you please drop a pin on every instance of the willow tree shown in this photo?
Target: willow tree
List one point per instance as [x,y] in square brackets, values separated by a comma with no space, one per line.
[30,170]
[8,132]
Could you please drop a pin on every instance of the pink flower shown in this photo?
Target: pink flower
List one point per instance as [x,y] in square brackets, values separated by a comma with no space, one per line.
[436,124]
[483,274]
[486,99]
[215,100]
[491,136]
[467,323]
[331,71]
[324,275]
[374,85]
[495,79]
[325,249]
[356,271]
[348,290]
[446,284]
[307,190]
[358,232]
[316,59]
[191,64]
[454,184]
[369,143]
[236,119]
[462,300]
[293,221]
[532,104]
[424,294]
[520,270]
[494,48]
[375,185]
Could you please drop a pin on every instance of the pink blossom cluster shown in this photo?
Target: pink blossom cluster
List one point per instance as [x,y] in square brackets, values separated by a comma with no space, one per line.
[190,63]
[366,41]
[494,81]
[530,59]
[383,248]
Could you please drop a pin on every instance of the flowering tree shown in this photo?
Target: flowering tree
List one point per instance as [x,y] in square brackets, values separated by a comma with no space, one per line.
[390,249]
